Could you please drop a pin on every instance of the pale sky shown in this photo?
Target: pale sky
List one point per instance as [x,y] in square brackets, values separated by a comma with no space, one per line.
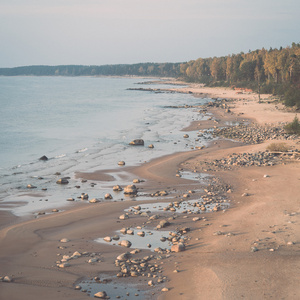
[97,32]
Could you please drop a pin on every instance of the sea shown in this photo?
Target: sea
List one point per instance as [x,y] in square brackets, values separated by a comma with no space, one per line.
[83,124]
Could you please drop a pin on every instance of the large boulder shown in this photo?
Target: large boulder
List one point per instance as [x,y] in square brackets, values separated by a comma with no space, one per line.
[130,189]
[137,142]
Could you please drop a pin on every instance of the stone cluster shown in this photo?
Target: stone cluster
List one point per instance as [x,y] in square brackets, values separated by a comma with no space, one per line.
[133,267]
[253,134]
[260,159]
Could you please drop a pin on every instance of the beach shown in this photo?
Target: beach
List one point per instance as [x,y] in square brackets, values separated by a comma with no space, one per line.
[245,248]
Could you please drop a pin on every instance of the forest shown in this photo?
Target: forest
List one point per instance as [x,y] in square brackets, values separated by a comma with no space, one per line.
[275,71]
[140,69]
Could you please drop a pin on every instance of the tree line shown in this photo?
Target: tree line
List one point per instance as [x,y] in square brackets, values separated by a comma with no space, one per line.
[141,69]
[275,71]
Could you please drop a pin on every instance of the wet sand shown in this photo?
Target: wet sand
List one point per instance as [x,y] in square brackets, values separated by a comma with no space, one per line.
[218,262]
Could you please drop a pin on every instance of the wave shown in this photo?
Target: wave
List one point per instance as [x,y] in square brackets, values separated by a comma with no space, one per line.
[82,150]
[60,156]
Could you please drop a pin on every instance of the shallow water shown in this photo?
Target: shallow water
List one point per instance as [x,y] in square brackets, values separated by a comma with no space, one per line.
[81,124]
[113,288]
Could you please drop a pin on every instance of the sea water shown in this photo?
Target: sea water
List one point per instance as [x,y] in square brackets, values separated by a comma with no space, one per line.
[81,124]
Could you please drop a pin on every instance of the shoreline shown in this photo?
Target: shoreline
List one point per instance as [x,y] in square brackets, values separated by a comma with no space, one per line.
[213,266]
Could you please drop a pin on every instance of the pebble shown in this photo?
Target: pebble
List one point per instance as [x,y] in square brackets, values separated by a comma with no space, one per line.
[64,240]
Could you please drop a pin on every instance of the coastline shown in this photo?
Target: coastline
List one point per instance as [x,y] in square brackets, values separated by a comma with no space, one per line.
[213,266]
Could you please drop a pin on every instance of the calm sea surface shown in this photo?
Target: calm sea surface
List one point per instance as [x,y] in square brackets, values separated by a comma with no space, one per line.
[81,124]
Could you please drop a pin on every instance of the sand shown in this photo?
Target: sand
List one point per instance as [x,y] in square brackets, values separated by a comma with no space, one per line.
[218,262]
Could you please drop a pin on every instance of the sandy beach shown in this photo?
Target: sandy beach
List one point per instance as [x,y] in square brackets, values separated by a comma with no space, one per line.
[247,248]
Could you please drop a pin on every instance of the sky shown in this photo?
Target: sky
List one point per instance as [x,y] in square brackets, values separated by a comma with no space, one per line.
[99,32]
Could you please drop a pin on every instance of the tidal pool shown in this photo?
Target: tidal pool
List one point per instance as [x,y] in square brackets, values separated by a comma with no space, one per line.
[113,288]
[152,239]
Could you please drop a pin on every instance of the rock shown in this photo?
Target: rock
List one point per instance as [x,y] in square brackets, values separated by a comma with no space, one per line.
[123,217]
[62,181]
[55,210]
[125,243]
[123,230]
[124,256]
[30,186]
[64,240]
[130,232]
[44,158]
[144,214]
[163,224]
[163,193]
[141,233]
[70,199]
[137,142]
[266,176]
[196,219]
[130,189]
[107,239]
[121,163]
[154,217]
[254,249]
[136,180]
[116,237]
[77,287]
[178,247]
[101,295]
[93,260]
[64,265]
[76,254]
[186,136]
[137,207]
[245,194]
[150,283]
[94,200]
[151,146]
[7,279]
[117,188]
[164,289]
[84,196]
[108,196]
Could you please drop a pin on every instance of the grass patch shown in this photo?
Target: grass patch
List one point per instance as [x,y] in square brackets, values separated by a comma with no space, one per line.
[278,147]
[293,127]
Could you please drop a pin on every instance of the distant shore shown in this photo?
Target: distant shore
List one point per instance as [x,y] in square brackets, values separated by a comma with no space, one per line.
[248,250]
